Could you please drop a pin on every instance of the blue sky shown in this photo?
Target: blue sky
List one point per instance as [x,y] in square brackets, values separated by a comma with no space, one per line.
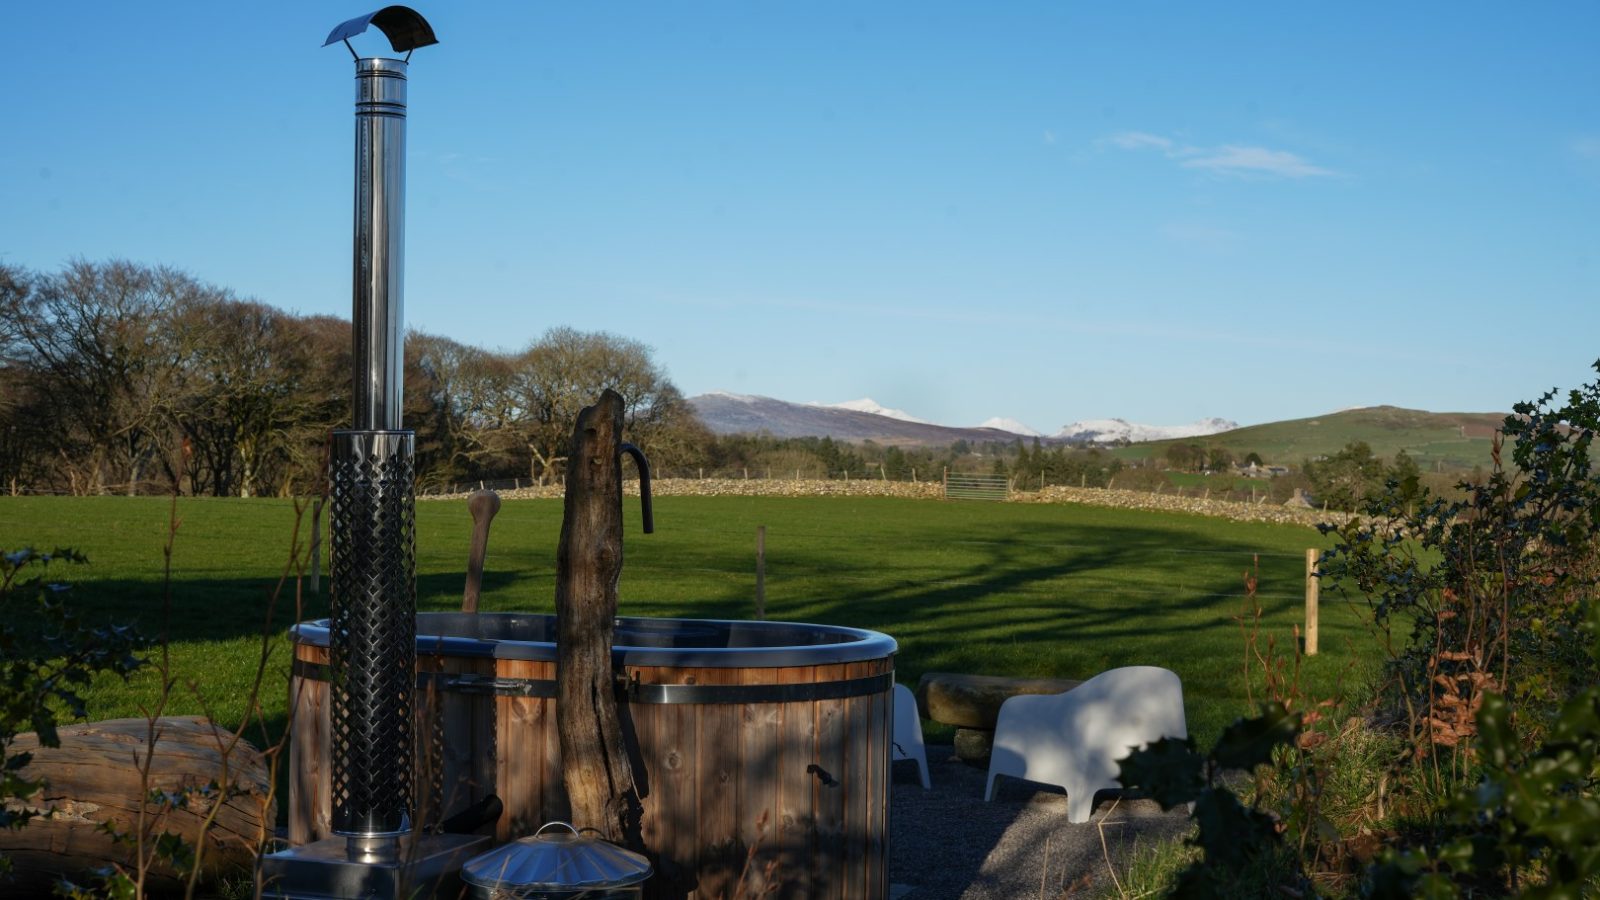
[1045,211]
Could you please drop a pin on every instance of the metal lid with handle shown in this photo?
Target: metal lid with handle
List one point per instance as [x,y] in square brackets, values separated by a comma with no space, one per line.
[555,862]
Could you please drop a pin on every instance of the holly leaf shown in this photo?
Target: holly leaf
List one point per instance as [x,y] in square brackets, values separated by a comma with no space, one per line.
[1168,771]
[1248,743]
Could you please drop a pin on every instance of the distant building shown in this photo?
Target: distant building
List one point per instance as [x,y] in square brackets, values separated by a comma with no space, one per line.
[1255,471]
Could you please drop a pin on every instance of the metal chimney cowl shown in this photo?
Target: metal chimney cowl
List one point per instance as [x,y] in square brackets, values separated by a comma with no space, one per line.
[375,851]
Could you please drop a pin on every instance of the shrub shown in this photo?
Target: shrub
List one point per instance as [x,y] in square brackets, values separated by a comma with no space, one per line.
[47,654]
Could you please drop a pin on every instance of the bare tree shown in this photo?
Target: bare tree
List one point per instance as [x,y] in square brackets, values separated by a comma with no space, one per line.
[244,391]
[113,374]
[325,396]
[558,374]
[101,341]
[27,430]
[470,398]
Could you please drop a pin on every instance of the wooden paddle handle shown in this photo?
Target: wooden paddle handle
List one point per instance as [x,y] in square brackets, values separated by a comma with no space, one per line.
[483,505]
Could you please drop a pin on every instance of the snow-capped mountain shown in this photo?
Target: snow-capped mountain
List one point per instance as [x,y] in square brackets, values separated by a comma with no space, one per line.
[727,413]
[866,419]
[869,405]
[1011,425]
[1107,431]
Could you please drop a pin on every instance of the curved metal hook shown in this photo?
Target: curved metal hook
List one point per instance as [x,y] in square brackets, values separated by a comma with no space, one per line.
[644,484]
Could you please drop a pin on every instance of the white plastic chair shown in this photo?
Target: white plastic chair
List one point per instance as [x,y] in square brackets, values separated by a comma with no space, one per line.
[908,732]
[1073,740]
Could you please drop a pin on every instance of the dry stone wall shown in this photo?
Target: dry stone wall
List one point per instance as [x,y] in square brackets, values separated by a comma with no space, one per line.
[1119,499]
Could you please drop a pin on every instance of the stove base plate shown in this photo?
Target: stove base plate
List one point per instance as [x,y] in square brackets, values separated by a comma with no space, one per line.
[429,866]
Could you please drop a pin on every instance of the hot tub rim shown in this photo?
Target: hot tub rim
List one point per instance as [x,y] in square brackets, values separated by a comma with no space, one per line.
[859,645]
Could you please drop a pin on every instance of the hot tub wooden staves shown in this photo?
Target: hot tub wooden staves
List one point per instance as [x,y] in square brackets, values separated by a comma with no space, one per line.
[778,774]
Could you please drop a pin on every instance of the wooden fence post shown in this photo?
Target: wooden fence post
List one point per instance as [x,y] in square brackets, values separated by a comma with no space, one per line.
[1312,588]
[761,571]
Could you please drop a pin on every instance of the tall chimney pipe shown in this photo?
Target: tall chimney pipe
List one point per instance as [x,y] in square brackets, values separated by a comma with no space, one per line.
[373,542]
[373,520]
[379,254]
[372,525]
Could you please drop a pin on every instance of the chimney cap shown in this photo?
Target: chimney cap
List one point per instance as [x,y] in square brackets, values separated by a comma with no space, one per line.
[405,28]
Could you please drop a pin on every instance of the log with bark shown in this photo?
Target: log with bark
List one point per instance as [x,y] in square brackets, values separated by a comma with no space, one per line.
[595,762]
[93,780]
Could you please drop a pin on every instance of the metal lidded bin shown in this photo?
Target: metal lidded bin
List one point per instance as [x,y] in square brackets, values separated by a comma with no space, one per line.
[557,866]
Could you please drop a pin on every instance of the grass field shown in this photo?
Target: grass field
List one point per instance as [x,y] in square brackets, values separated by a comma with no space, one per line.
[1191,480]
[1013,589]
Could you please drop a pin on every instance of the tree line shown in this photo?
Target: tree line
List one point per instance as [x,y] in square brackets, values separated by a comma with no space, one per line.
[118,377]
[127,378]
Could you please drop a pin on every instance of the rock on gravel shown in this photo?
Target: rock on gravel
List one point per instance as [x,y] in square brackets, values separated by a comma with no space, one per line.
[948,844]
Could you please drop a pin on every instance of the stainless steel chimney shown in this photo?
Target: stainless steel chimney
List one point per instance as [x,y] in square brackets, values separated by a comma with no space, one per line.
[372,522]
[375,851]
[379,254]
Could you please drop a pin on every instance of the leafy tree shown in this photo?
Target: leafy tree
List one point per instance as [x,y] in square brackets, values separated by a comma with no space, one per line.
[1219,459]
[1344,479]
[1185,456]
[1403,467]
[894,464]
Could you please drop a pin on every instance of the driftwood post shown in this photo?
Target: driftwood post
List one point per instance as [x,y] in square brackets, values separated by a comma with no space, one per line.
[599,778]
[482,506]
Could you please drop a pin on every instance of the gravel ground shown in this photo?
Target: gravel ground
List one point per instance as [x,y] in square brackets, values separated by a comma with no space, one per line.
[947,844]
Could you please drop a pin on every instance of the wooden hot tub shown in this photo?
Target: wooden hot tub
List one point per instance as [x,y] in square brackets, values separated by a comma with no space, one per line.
[735,725]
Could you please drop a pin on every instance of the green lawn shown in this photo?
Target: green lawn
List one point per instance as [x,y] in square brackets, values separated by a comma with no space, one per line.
[1194,480]
[1017,589]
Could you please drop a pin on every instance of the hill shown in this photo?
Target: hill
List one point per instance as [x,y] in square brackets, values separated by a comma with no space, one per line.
[743,414]
[1437,441]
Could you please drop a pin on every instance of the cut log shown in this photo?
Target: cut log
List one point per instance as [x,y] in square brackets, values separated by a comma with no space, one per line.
[93,779]
[973,701]
[595,764]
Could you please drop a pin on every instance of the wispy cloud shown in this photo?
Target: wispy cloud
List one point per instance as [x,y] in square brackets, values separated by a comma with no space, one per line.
[1238,160]
[1233,159]
[1587,147]
[1139,140]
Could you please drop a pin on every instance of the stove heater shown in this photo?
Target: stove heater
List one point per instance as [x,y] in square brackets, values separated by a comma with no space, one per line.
[377,851]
